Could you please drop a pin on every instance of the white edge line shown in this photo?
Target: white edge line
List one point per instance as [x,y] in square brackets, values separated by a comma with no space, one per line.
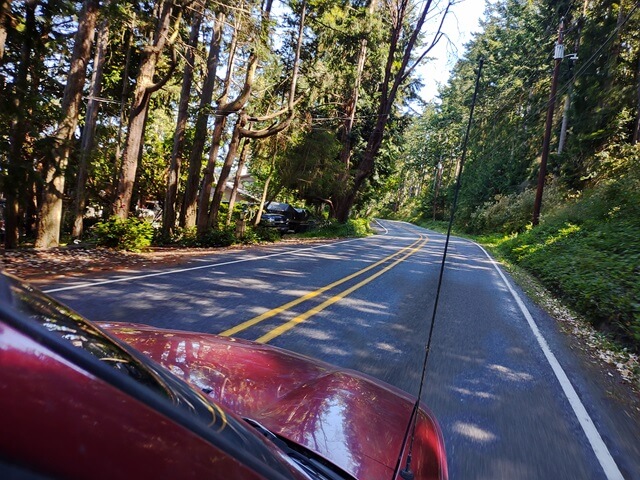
[601,451]
[181,270]
[381,226]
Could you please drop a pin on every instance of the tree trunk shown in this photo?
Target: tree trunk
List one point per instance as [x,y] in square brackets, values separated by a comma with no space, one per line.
[17,168]
[218,193]
[636,130]
[394,76]
[188,210]
[139,108]
[236,183]
[5,19]
[263,199]
[89,130]
[240,132]
[50,217]
[208,216]
[169,211]
[207,179]
[124,95]
[345,154]
[204,218]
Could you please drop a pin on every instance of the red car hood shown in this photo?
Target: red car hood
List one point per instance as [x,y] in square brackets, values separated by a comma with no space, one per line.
[354,421]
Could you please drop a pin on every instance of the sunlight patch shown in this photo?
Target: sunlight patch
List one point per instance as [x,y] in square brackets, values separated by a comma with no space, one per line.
[315,334]
[334,351]
[483,395]
[387,347]
[473,432]
[511,374]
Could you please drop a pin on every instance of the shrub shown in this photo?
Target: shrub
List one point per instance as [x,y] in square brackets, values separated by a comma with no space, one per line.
[513,213]
[221,237]
[130,234]
[587,251]
[264,234]
[185,237]
[352,228]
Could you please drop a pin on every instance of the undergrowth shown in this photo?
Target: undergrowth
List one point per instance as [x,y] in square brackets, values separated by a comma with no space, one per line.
[131,234]
[352,228]
[586,250]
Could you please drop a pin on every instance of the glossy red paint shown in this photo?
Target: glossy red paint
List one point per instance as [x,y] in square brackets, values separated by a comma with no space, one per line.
[354,421]
[62,422]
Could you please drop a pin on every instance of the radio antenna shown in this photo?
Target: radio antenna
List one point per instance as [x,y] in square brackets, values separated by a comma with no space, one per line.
[406,473]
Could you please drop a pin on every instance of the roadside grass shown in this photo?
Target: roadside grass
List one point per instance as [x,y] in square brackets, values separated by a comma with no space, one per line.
[352,228]
[593,266]
[586,251]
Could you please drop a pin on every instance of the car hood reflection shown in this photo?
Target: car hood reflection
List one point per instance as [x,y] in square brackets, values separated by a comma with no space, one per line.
[350,419]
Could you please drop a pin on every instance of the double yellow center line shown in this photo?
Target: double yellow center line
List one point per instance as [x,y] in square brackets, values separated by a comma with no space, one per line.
[403,253]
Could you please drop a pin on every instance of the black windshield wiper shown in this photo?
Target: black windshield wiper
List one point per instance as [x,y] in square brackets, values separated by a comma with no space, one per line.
[310,462]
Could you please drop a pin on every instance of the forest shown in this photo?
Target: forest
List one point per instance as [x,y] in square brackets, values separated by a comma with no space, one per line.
[112,105]
[585,248]
[109,107]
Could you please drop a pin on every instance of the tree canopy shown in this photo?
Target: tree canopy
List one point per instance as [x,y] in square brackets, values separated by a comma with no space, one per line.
[111,106]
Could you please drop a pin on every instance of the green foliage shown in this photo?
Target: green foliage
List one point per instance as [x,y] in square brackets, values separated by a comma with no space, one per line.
[188,237]
[311,166]
[588,253]
[352,228]
[131,234]
[512,213]
[254,235]
[222,237]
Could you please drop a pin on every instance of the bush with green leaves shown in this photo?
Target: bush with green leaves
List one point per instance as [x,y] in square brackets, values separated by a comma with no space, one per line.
[218,237]
[132,234]
[588,253]
[183,237]
[265,234]
[513,213]
[358,227]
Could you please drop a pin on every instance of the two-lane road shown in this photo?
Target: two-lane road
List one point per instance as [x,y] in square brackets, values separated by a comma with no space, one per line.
[512,401]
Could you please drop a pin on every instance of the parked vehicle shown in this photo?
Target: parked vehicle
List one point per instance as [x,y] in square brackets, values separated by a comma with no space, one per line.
[301,221]
[107,400]
[299,218]
[275,220]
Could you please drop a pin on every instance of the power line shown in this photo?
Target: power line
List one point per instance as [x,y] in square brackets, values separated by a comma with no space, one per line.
[536,110]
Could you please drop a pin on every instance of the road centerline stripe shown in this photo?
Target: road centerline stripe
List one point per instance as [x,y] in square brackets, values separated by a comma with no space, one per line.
[275,311]
[276,332]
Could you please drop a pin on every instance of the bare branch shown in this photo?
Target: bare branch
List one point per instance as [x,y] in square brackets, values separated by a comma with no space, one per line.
[243,96]
[163,81]
[436,38]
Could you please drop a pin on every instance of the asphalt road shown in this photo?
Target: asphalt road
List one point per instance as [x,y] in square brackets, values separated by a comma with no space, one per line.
[512,398]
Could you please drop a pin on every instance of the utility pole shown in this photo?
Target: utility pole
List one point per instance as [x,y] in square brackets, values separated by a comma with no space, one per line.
[557,56]
[438,179]
[569,97]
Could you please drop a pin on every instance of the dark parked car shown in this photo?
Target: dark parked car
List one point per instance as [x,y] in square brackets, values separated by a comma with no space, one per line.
[299,218]
[114,401]
[275,220]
